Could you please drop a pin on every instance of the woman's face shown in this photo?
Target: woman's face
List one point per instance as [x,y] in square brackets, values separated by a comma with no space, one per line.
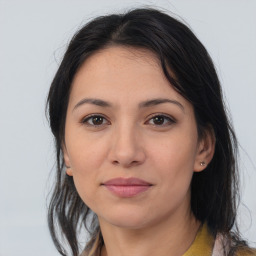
[130,140]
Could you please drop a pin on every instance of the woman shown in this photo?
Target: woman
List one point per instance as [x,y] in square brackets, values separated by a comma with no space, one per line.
[146,156]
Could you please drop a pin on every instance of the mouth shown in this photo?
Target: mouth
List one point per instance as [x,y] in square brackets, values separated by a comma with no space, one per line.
[127,187]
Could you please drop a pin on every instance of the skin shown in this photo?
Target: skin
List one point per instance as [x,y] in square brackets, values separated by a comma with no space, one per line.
[129,141]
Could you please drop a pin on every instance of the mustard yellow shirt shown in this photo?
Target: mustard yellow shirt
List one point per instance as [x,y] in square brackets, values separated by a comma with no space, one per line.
[203,243]
[202,246]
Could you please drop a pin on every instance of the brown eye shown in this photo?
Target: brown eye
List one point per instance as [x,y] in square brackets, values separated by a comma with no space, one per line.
[158,120]
[95,120]
[161,120]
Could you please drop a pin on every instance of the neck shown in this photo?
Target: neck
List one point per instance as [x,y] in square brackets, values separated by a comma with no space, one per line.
[171,237]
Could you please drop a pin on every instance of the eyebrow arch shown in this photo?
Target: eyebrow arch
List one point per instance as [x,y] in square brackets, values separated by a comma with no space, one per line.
[147,103]
[96,102]
[154,102]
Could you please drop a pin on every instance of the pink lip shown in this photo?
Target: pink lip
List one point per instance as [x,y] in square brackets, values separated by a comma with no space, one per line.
[127,187]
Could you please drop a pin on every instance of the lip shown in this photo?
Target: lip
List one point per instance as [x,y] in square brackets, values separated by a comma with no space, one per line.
[127,187]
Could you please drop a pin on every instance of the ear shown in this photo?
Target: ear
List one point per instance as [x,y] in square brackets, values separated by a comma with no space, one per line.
[206,149]
[67,161]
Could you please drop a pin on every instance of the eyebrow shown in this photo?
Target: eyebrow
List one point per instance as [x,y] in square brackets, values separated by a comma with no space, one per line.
[144,104]
[96,102]
[154,102]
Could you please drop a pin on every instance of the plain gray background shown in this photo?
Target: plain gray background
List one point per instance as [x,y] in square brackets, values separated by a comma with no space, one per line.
[33,37]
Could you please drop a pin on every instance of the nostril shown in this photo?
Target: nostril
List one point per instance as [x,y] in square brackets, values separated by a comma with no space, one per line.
[133,163]
[115,162]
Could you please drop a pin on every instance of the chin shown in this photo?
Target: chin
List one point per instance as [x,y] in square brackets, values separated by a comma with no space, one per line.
[125,219]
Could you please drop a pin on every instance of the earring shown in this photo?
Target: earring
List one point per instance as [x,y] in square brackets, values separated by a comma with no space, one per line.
[202,163]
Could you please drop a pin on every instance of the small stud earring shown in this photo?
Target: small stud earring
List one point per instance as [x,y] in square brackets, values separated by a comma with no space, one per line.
[202,163]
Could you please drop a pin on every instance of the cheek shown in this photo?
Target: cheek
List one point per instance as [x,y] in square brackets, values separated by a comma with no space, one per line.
[86,175]
[86,153]
[174,159]
[175,152]
[86,158]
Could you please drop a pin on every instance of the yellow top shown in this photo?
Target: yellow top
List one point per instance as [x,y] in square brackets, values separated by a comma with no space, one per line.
[203,243]
[202,246]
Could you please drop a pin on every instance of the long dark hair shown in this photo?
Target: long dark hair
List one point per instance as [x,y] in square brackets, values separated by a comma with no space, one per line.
[214,192]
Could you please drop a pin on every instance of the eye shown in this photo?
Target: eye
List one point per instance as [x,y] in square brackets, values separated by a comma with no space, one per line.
[95,120]
[161,120]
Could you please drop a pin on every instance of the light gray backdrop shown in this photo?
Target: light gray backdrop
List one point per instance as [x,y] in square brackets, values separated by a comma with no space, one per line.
[33,37]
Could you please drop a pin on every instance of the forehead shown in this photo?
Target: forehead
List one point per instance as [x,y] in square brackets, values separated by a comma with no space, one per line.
[122,72]
[121,57]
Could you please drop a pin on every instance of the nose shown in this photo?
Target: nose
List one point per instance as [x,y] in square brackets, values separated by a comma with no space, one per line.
[126,148]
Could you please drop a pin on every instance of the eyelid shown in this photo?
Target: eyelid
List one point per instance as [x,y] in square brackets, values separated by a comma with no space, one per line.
[170,118]
[85,119]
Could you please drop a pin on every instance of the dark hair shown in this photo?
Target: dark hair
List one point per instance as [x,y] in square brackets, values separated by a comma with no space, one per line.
[214,192]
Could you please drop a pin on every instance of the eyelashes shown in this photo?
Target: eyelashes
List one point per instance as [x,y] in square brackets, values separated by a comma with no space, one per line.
[161,120]
[95,120]
[99,121]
